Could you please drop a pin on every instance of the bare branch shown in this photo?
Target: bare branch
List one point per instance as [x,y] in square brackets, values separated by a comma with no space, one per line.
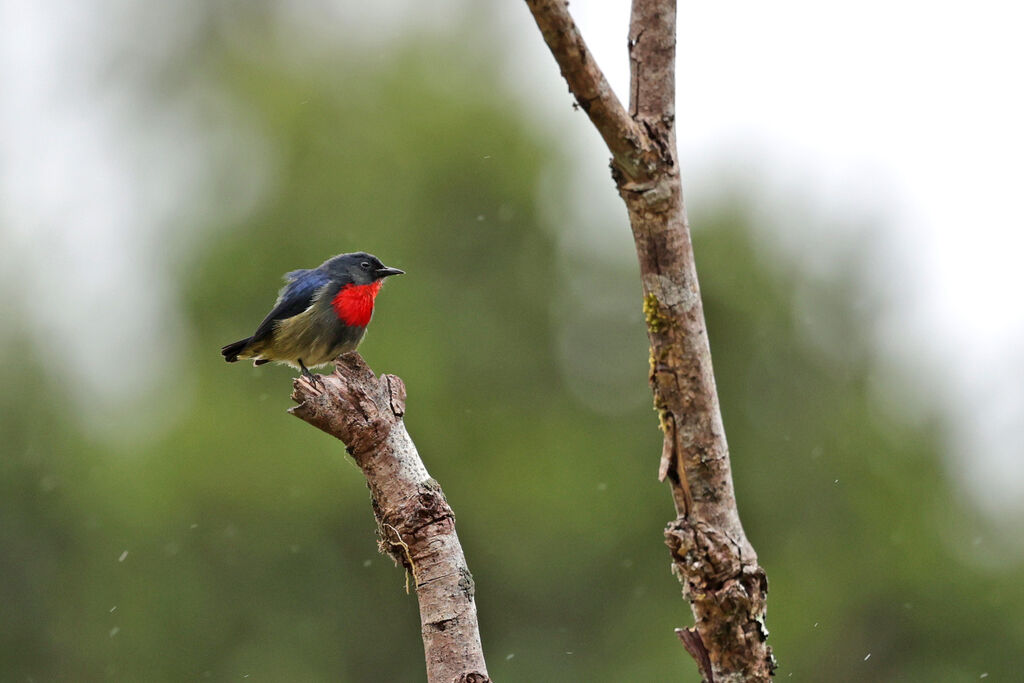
[415,523]
[652,61]
[712,557]
[632,152]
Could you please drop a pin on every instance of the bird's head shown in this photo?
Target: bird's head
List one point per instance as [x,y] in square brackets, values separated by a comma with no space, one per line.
[359,268]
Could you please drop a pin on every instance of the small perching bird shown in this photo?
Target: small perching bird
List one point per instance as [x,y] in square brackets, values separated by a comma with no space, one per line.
[319,314]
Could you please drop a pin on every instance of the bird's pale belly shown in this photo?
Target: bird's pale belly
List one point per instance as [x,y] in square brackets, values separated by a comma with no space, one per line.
[315,342]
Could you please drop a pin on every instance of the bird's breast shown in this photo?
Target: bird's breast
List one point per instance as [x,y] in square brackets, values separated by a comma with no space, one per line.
[354,303]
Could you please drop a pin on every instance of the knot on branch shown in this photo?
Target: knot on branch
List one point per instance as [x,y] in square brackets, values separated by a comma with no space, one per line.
[473,677]
[706,557]
[426,507]
[351,404]
[727,592]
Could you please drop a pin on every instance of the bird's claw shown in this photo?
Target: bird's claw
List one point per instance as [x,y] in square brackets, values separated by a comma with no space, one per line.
[314,380]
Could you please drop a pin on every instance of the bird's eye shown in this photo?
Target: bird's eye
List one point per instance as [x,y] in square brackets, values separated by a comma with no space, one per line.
[365,265]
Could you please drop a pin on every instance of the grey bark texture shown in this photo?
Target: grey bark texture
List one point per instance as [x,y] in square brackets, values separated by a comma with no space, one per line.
[414,521]
[711,555]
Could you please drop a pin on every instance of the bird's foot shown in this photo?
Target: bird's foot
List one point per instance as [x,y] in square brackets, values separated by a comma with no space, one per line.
[315,380]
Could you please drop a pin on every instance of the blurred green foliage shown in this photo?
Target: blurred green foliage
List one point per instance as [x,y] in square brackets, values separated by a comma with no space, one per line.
[240,543]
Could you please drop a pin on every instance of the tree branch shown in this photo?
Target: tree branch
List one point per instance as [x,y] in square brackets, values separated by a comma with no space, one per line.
[415,523]
[711,554]
[630,148]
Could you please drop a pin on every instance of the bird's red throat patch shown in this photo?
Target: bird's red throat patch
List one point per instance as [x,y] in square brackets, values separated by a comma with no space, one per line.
[354,303]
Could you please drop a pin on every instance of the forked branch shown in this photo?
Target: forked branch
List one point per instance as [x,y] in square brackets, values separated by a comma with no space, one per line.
[711,554]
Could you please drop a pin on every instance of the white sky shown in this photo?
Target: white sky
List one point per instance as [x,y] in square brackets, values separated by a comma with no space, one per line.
[908,111]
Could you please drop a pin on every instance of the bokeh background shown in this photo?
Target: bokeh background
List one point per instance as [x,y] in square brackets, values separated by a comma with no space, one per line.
[163,519]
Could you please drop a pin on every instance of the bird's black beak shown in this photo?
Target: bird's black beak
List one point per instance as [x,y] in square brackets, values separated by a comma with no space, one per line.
[386,272]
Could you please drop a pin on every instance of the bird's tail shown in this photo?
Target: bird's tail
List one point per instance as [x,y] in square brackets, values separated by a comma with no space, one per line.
[231,351]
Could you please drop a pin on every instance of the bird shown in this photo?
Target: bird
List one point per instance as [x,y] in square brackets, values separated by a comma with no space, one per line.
[320,314]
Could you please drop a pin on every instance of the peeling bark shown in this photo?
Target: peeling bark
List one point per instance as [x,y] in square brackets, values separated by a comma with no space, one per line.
[711,555]
[414,521]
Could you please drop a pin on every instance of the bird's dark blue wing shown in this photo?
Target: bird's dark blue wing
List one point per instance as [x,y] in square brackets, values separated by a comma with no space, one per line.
[294,298]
